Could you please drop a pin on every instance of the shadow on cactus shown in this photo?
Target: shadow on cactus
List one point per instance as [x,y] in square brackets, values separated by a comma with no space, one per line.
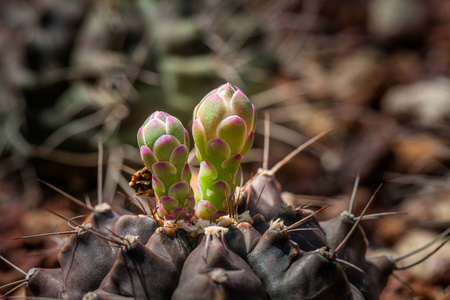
[218,240]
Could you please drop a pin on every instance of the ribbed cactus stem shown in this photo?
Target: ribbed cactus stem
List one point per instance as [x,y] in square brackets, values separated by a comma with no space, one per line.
[164,147]
[223,131]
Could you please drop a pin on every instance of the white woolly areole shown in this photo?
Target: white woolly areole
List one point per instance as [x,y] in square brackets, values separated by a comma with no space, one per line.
[265,172]
[218,275]
[187,227]
[90,296]
[102,207]
[215,231]
[30,273]
[226,221]
[130,239]
[196,228]
[169,223]
[83,227]
[201,225]
[278,225]
[348,215]
[245,217]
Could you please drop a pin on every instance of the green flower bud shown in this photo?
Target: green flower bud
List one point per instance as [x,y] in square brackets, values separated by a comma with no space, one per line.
[223,131]
[164,147]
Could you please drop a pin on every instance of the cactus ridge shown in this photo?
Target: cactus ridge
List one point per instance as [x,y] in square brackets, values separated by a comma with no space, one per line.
[234,262]
[211,242]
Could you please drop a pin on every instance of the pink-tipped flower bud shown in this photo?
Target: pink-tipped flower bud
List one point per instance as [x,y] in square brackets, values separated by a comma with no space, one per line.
[223,131]
[164,147]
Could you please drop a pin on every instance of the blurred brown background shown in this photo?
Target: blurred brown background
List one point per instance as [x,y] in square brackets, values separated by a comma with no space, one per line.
[376,72]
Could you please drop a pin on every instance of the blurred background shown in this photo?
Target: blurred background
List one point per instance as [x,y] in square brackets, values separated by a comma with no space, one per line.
[375,72]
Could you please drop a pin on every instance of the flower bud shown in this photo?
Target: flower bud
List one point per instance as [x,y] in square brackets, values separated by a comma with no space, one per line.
[223,131]
[164,147]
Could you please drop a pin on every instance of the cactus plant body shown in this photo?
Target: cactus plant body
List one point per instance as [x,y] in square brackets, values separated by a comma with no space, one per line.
[204,243]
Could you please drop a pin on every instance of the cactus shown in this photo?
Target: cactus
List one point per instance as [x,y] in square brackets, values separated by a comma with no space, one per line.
[211,247]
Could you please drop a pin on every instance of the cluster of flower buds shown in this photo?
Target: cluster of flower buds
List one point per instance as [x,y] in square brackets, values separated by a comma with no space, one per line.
[223,131]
